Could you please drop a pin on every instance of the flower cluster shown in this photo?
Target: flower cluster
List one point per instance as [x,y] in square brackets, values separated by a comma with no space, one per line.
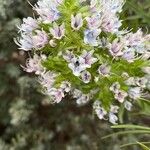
[78,47]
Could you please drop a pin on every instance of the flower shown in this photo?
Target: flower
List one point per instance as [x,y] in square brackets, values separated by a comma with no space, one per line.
[65,86]
[129,55]
[88,59]
[69,56]
[77,65]
[76,21]
[100,111]
[120,95]
[128,105]
[90,36]
[141,82]
[25,42]
[34,65]
[104,69]
[115,87]
[58,31]
[134,93]
[47,79]
[110,23]
[85,76]
[56,94]
[48,10]
[83,99]
[29,24]
[94,21]
[115,48]
[40,39]
[113,118]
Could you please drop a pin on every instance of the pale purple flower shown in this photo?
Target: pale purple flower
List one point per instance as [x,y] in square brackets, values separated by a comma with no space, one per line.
[56,94]
[128,105]
[110,23]
[25,42]
[94,21]
[34,65]
[29,24]
[65,86]
[135,93]
[58,31]
[90,36]
[120,95]
[134,39]
[88,58]
[76,21]
[104,69]
[115,48]
[77,66]
[85,76]
[129,55]
[115,87]
[40,39]
[47,10]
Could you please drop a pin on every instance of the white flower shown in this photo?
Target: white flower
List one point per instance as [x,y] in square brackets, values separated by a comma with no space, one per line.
[76,21]
[85,76]
[25,42]
[76,93]
[100,111]
[113,118]
[128,105]
[115,87]
[29,24]
[77,66]
[90,36]
[141,82]
[130,81]
[58,31]
[135,93]
[83,99]
[65,86]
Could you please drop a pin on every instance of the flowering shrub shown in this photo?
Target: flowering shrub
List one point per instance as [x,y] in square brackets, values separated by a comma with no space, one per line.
[78,47]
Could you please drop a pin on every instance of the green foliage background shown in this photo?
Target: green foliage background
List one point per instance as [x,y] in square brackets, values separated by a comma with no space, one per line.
[29,122]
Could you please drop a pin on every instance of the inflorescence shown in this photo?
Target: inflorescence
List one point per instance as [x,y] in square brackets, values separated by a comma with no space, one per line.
[78,47]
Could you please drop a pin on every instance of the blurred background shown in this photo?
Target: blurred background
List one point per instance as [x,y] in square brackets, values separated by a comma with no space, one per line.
[29,122]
